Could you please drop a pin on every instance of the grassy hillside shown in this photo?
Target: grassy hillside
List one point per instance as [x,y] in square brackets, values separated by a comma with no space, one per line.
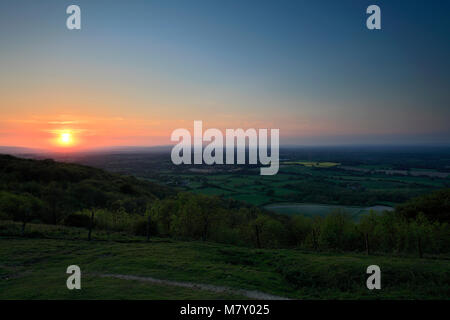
[34,268]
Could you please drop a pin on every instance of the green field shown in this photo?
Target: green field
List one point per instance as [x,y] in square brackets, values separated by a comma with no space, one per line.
[34,268]
[318,183]
[313,164]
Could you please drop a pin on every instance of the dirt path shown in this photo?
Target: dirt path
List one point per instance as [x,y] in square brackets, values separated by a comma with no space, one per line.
[208,287]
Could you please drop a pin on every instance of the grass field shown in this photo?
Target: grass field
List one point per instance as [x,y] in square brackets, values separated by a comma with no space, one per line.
[319,183]
[34,268]
[312,164]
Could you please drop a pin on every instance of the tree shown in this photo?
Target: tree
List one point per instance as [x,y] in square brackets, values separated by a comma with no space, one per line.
[163,211]
[336,230]
[420,227]
[271,231]
[316,229]
[21,208]
[208,210]
[301,227]
[434,206]
[55,197]
[255,224]
[386,230]
[367,226]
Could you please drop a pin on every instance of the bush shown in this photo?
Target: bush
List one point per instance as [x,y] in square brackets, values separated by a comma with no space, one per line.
[77,220]
[140,227]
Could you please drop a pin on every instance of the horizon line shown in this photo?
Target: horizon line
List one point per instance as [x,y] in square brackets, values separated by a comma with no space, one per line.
[129,148]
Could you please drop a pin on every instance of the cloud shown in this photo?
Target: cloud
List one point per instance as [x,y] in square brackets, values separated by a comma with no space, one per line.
[63,122]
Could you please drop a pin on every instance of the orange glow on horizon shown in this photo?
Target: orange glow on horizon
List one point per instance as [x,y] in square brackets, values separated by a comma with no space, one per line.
[77,132]
[65,139]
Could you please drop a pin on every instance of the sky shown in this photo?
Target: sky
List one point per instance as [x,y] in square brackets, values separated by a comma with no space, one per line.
[137,70]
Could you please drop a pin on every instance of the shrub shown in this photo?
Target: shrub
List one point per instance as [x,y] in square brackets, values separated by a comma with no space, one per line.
[77,220]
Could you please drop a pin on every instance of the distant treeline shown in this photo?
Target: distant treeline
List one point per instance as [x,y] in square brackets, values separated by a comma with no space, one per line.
[80,196]
[393,157]
[317,189]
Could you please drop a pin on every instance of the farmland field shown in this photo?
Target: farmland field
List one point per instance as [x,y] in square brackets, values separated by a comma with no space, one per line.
[315,164]
[320,185]
[326,178]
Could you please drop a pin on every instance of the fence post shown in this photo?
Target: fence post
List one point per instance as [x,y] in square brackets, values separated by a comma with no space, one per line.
[148,228]
[91,225]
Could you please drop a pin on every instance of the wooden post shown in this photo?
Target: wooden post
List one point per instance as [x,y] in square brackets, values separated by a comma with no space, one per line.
[91,225]
[315,241]
[148,228]
[366,236]
[205,230]
[23,227]
[258,241]
[419,246]
[24,221]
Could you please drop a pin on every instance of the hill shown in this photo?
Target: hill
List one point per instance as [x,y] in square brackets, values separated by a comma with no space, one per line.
[49,191]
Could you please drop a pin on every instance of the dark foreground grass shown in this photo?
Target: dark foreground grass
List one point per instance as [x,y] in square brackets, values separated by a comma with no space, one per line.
[34,268]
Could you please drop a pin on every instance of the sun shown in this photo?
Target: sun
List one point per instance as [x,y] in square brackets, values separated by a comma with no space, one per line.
[65,139]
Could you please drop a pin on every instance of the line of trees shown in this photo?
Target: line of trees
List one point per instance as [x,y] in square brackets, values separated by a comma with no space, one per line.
[200,217]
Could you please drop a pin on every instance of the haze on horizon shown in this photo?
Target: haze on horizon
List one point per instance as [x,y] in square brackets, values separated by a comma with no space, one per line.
[140,69]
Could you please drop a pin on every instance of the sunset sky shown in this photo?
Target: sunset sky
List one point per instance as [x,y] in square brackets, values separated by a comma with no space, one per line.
[140,69]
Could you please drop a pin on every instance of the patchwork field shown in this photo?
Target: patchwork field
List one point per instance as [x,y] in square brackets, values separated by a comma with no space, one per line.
[312,164]
[323,186]
[323,178]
